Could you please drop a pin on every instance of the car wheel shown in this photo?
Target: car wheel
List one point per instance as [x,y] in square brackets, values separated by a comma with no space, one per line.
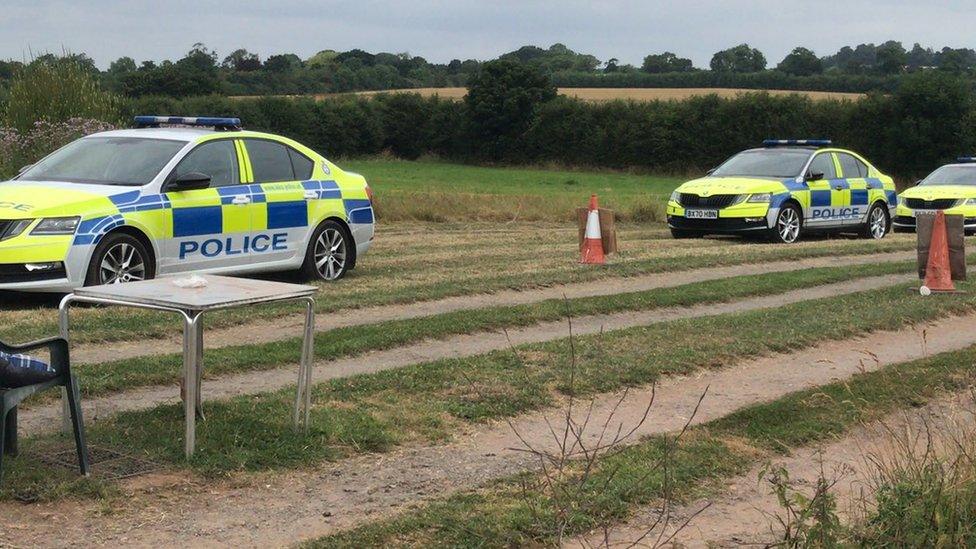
[877,224]
[119,258]
[789,221]
[678,233]
[329,253]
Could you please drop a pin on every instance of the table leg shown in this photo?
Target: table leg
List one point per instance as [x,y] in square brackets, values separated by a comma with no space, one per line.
[63,329]
[304,391]
[190,380]
[199,362]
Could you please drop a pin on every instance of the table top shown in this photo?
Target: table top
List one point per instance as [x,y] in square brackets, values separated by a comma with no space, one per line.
[220,292]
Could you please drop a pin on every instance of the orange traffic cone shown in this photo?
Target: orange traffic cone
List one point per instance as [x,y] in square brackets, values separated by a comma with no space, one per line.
[592,252]
[938,274]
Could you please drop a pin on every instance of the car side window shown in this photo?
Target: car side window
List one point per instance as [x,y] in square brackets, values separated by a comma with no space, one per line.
[823,163]
[218,159]
[301,164]
[270,161]
[851,166]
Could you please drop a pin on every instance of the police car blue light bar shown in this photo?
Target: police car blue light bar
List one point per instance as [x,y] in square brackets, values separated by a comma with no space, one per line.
[966,160]
[219,123]
[797,143]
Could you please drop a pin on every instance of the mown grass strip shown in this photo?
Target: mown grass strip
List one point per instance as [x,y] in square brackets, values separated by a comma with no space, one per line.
[500,514]
[428,402]
[113,324]
[103,378]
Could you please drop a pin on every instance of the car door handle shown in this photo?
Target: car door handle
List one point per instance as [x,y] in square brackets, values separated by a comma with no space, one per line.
[241,200]
[311,195]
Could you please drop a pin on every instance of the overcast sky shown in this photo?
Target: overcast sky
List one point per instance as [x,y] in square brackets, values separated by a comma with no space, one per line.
[440,30]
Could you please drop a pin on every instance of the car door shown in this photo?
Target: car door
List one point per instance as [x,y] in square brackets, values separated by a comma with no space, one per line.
[210,226]
[281,221]
[828,194]
[855,175]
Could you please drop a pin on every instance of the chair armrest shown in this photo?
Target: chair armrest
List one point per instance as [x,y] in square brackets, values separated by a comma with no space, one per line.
[48,343]
[58,347]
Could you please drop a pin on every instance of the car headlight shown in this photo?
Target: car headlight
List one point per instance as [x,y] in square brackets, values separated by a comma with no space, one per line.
[57,225]
[901,201]
[675,196]
[15,228]
[761,197]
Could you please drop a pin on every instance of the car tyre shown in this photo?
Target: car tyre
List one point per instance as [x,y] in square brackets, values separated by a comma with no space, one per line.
[329,255]
[789,224]
[878,223]
[119,258]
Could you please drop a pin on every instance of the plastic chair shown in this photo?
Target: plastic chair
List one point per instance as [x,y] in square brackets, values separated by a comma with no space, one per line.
[10,398]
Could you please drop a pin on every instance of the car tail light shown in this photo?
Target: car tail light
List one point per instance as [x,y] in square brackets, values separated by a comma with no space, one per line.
[369,192]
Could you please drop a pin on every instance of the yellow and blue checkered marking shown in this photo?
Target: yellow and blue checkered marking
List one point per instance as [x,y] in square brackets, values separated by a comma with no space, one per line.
[198,220]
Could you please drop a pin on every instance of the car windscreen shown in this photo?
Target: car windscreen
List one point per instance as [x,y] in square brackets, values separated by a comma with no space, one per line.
[106,160]
[764,163]
[952,175]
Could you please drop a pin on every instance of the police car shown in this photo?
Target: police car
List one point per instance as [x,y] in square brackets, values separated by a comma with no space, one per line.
[951,188]
[783,189]
[176,195]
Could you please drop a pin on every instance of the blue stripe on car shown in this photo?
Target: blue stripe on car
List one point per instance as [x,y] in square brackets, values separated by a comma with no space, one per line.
[284,215]
[197,221]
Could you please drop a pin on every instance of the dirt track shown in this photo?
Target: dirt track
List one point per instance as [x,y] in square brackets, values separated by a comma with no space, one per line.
[278,509]
[291,326]
[45,417]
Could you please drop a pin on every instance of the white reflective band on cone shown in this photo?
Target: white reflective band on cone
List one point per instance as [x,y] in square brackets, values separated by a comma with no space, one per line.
[593,225]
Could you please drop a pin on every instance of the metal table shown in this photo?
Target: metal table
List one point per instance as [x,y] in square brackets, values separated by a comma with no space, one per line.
[221,292]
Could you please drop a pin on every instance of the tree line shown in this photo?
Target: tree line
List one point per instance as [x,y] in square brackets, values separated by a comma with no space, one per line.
[512,115]
[202,71]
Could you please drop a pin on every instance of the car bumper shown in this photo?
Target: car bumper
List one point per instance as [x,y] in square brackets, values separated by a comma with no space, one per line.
[22,262]
[735,219]
[720,225]
[906,223]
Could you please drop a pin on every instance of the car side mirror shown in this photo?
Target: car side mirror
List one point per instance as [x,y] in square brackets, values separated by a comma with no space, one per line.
[814,176]
[190,181]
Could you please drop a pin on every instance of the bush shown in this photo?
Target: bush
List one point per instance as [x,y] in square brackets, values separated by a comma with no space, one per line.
[18,149]
[55,91]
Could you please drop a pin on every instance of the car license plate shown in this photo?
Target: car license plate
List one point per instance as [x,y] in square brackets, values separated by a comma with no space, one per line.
[701,214]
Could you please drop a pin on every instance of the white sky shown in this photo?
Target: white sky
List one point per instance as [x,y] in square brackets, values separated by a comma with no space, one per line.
[440,30]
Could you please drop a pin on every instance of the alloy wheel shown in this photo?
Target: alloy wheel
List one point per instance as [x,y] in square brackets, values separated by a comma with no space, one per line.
[788,225]
[330,254]
[122,262]
[878,223]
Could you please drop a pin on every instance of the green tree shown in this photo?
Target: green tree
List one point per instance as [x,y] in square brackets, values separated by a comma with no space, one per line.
[242,60]
[741,58]
[666,62]
[801,62]
[283,63]
[122,65]
[502,101]
[891,57]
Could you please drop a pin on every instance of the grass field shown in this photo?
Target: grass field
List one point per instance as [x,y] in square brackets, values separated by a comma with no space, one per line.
[469,233]
[435,191]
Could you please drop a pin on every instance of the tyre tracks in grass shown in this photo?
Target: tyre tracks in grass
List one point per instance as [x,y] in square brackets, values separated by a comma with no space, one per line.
[267,331]
[36,419]
[280,508]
